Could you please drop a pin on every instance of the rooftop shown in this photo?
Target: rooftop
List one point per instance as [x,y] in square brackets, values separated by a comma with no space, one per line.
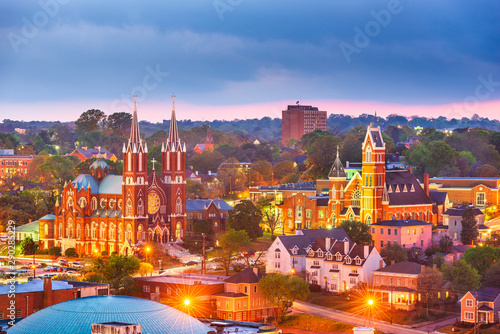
[185,279]
[407,222]
[37,285]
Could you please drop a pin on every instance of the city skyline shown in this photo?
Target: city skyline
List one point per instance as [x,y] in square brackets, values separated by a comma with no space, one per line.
[241,59]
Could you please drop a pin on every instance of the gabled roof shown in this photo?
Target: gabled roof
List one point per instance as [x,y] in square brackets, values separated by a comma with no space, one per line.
[48,217]
[90,152]
[459,211]
[437,196]
[402,268]
[337,168]
[486,294]
[375,137]
[245,276]
[110,213]
[111,184]
[308,237]
[398,179]
[334,233]
[29,227]
[197,205]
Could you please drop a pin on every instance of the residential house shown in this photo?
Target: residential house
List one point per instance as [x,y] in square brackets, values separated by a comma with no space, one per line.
[407,233]
[216,211]
[478,191]
[338,266]
[481,306]
[242,299]
[11,164]
[287,254]
[452,219]
[85,153]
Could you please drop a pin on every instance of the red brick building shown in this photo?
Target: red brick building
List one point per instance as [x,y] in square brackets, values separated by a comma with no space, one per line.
[477,191]
[85,153]
[208,145]
[11,163]
[298,120]
[38,294]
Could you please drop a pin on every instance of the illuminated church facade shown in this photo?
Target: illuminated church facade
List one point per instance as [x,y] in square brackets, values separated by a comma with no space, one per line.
[115,213]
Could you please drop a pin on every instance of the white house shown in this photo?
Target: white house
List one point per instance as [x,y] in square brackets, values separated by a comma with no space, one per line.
[452,221]
[289,251]
[340,265]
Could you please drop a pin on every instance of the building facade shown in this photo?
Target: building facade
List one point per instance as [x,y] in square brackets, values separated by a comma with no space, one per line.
[242,299]
[481,306]
[452,223]
[407,233]
[11,163]
[375,194]
[208,145]
[480,192]
[339,266]
[85,153]
[298,120]
[116,213]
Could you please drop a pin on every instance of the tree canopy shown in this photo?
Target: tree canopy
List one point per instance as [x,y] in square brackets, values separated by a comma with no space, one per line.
[247,217]
[357,232]
[469,231]
[462,276]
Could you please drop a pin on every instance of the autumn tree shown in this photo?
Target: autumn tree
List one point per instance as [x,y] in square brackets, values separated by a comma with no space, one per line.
[28,246]
[271,217]
[445,244]
[429,282]
[469,231]
[117,270]
[394,252]
[282,169]
[145,269]
[119,123]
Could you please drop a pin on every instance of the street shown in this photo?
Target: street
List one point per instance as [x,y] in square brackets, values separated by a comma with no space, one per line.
[303,307]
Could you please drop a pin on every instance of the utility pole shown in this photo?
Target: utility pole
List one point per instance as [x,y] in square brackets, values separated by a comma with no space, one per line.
[391,299]
[203,271]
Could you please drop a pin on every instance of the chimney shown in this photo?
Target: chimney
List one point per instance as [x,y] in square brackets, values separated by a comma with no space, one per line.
[426,184]
[393,262]
[434,266]
[409,169]
[327,244]
[84,148]
[381,264]
[209,172]
[346,247]
[366,250]
[422,268]
[47,292]
[256,271]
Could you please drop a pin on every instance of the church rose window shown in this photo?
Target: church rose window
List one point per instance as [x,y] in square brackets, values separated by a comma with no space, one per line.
[153,203]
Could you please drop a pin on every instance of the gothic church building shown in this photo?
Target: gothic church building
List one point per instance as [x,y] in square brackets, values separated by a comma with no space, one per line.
[115,213]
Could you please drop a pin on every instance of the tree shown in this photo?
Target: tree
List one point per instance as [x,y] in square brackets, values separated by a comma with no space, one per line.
[117,270]
[321,154]
[231,243]
[145,269]
[60,168]
[429,282]
[246,216]
[70,252]
[481,258]
[28,246]
[394,252]
[281,290]
[462,276]
[492,276]
[55,251]
[66,277]
[282,169]
[206,161]
[469,231]
[91,120]
[202,226]
[357,232]
[445,244]
[416,254]
[119,123]
[271,219]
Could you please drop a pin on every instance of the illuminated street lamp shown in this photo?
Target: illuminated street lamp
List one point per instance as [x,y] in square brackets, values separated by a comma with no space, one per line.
[187,302]
[370,310]
[147,251]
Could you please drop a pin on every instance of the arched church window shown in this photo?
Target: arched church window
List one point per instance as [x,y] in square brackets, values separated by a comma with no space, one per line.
[356,198]
[70,203]
[128,232]
[129,161]
[368,220]
[94,203]
[140,207]
[368,154]
[334,192]
[60,230]
[178,206]
[69,230]
[129,208]
[46,229]
[82,202]
[78,231]
[140,162]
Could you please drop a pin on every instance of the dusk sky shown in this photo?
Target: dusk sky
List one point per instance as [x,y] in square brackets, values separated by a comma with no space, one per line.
[227,59]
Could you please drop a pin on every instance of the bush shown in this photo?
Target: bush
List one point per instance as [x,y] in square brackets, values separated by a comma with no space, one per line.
[42,251]
[114,253]
[71,252]
[104,253]
[55,251]
[315,288]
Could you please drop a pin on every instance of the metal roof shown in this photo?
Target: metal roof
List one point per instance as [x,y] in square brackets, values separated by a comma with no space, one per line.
[82,181]
[111,184]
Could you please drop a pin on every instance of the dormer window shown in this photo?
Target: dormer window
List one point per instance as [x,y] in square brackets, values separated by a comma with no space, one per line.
[397,188]
[389,189]
[338,257]
[329,256]
[412,188]
[348,260]
[320,253]
[358,261]
[310,252]
[295,250]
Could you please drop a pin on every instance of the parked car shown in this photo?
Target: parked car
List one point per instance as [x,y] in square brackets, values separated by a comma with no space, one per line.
[63,262]
[23,272]
[190,263]
[77,264]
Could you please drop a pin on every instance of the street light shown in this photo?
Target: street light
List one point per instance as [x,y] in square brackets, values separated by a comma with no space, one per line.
[370,310]
[187,302]
[147,251]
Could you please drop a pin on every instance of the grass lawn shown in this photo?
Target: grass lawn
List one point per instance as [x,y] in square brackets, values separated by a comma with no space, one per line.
[490,330]
[357,305]
[313,322]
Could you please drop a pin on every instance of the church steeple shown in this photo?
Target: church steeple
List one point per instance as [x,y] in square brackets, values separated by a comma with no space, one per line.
[209,142]
[337,168]
[173,136]
[135,135]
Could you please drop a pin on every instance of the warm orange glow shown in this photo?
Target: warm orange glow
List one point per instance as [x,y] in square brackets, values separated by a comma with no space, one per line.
[370,302]
[186,302]
[148,249]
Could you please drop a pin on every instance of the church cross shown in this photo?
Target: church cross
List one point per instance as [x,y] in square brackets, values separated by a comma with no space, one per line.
[173,95]
[153,161]
[135,96]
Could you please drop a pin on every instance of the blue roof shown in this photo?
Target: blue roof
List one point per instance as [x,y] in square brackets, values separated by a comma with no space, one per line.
[48,217]
[111,184]
[197,205]
[29,227]
[99,163]
[82,181]
[76,316]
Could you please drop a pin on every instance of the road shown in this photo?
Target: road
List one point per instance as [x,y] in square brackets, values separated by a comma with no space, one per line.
[303,307]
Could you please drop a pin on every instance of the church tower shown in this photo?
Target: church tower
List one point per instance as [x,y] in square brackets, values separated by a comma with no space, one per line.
[174,178]
[209,142]
[134,204]
[337,183]
[373,174]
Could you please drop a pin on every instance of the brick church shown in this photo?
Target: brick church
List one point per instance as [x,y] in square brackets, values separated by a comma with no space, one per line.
[115,213]
[373,195]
